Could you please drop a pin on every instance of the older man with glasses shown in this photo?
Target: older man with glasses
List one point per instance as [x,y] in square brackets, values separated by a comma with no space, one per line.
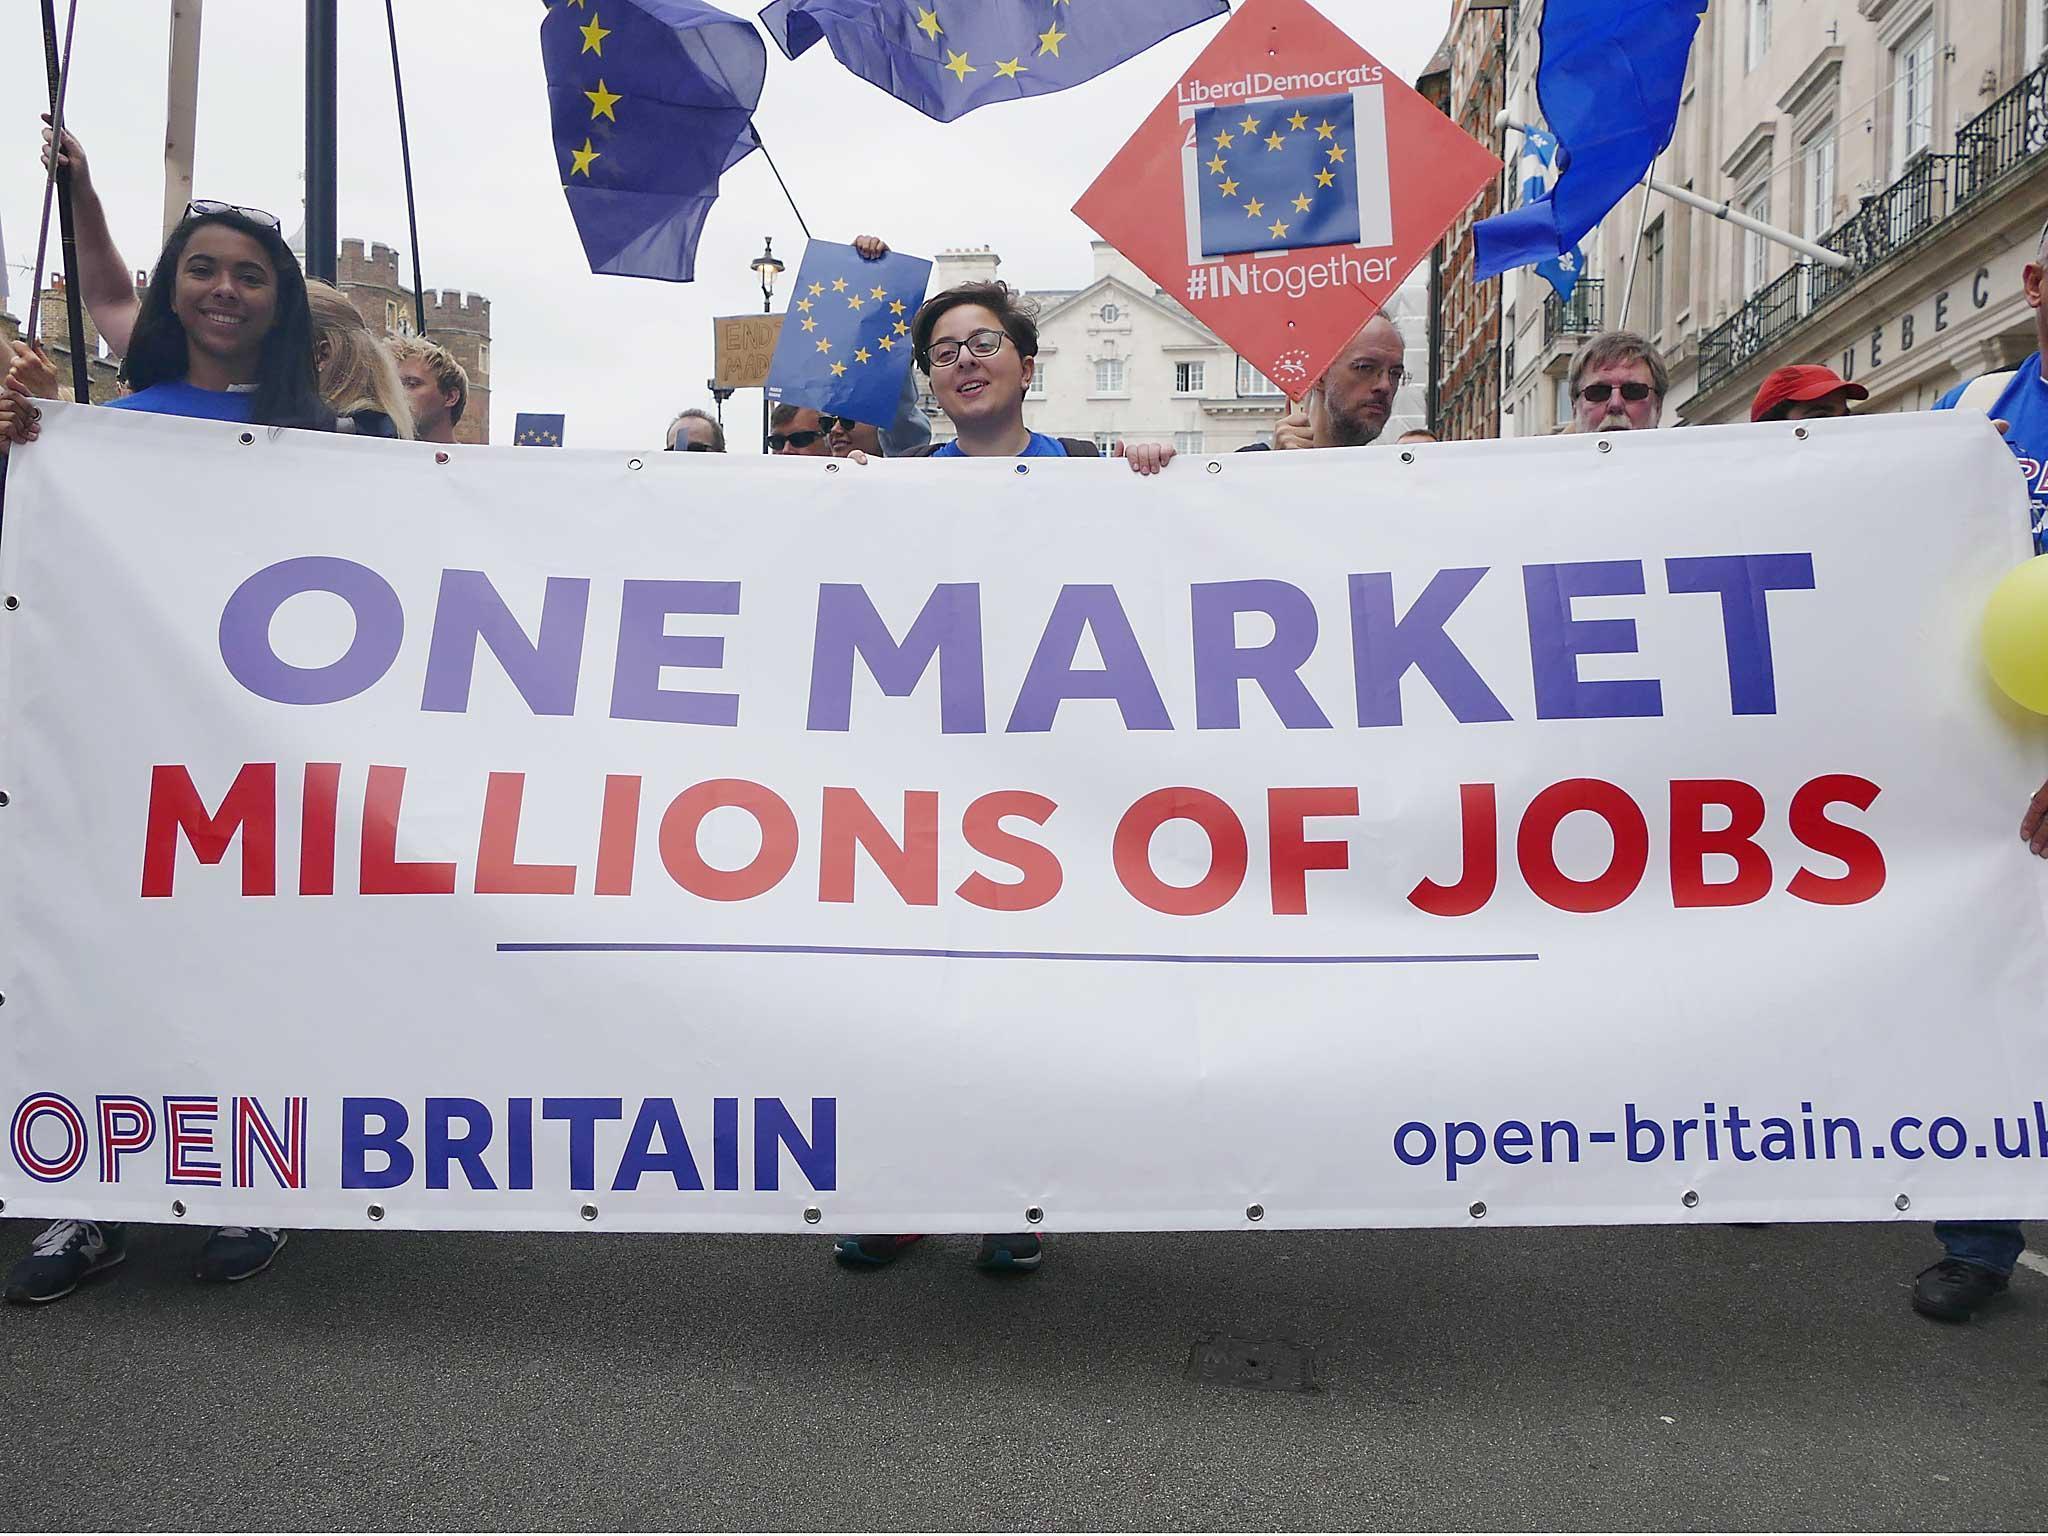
[1618,384]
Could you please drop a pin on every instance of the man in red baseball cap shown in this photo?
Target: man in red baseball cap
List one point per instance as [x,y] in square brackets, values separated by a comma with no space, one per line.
[1802,391]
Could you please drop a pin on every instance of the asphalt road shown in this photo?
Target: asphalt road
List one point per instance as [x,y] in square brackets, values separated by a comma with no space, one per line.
[1610,1378]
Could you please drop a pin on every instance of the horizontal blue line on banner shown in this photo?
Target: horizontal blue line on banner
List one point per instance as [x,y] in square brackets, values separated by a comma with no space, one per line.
[1000,954]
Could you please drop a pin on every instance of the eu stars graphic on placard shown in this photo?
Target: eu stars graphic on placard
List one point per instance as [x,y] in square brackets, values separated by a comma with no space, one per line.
[1284,188]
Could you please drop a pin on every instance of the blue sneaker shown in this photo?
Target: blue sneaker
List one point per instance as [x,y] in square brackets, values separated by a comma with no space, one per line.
[1009,1252]
[873,1251]
[64,1254]
[236,1253]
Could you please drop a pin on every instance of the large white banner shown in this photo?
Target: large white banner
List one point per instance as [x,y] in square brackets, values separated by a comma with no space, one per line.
[1577,830]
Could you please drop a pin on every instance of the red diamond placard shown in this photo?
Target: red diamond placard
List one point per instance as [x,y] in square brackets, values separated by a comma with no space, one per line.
[1284,188]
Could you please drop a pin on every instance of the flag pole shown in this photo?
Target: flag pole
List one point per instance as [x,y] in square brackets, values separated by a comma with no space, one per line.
[412,216]
[59,72]
[1635,252]
[1727,213]
[782,184]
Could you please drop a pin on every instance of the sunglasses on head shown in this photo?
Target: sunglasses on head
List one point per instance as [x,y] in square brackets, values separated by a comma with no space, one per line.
[203,206]
[777,441]
[1632,392]
[691,448]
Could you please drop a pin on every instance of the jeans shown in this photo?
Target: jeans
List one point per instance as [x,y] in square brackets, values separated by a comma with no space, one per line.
[1992,1245]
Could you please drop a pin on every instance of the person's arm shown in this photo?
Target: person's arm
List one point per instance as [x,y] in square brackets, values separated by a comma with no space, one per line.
[105,282]
[31,372]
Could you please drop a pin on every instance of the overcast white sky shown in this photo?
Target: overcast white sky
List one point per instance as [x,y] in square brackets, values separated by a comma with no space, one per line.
[619,355]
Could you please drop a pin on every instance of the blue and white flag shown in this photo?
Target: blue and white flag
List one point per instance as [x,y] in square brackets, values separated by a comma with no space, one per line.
[1539,170]
[1608,81]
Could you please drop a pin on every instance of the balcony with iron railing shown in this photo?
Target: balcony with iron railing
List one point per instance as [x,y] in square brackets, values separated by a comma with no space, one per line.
[2005,137]
[1583,314]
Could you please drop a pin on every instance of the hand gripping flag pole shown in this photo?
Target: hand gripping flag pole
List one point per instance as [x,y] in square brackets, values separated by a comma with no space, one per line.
[59,72]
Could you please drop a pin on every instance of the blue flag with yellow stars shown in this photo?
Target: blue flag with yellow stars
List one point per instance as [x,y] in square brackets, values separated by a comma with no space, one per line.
[651,101]
[845,346]
[1279,176]
[946,57]
[533,430]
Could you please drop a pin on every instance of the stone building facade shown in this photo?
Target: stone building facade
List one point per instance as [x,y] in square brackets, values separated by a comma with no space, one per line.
[1910,135]
[459,321]
[54,329]
[1121,360]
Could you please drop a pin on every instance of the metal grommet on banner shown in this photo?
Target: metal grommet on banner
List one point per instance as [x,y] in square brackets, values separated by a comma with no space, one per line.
[1605,446]
[832,468]
[10,602]
[440,458]
[3,1205]
[1477,1209]
[1034,1215]
[1800,433]
[813,1215]
[374,1212]
[247,438]
[3,797]
[1215,466]
[1902,1204]
[1407,457]
[588,1213]
[1689,1199]
[1023,469]
[177,1207]
[632,463]
[1255,1213]
[3,999]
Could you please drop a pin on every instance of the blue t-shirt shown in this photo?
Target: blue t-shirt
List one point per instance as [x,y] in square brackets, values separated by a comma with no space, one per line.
[2023,403]
[1040,447]
[178,398]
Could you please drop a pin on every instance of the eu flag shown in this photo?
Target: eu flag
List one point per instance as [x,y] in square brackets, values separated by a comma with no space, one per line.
[652,101]
[947,57]
[1608,81]
[532,429]
[845,346]
[1278,175]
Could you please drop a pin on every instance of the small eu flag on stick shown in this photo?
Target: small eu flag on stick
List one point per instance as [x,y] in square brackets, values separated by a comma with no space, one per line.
[531,430]
[845,346]
[651,102]
[947,57]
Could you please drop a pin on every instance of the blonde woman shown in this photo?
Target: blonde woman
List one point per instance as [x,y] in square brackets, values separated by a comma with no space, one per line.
[358,378]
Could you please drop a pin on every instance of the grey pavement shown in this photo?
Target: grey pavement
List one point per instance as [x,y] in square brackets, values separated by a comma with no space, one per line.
[1590,1378]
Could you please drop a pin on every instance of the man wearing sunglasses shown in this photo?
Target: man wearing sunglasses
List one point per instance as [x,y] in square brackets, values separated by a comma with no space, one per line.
[1618,383]
[795,431]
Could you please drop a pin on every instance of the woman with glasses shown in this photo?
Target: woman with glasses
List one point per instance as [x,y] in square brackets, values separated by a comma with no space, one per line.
[978,344]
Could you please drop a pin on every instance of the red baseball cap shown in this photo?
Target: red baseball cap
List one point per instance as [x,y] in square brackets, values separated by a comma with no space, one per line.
[1801,381]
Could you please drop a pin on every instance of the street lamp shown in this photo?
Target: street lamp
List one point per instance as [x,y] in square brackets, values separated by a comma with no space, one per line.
[767,268]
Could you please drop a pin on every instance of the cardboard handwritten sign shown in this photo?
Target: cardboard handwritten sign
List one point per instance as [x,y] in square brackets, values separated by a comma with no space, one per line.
[745,345]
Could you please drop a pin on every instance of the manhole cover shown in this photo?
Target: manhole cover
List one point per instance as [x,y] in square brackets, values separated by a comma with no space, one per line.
[1262,1365]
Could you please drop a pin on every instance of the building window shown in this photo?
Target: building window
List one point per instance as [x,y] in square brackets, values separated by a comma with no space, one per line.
[1188,378]
[391,316]
[1817,170]
[1653,279]
[1561,402]
[1759,33]
[1187,442]
[1104,441]
[1252,383]
[483,357]
[1109,376]
[2036,33]
[1111,314]
[1912,96]
[1037,377]
[1756,250]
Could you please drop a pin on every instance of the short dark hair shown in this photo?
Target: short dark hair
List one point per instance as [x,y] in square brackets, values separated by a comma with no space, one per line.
[697,413]
[1017,315]
[783,415]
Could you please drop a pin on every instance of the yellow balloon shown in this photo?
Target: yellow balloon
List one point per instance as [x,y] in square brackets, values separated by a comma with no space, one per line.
[2015,635]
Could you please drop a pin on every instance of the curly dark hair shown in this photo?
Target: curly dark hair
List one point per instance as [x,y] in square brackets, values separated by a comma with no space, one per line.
[287,388]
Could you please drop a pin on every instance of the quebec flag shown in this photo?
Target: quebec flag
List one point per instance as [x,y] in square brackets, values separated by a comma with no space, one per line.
[1538,174]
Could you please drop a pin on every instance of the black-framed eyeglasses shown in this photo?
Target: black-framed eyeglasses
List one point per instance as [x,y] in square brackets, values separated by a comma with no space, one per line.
[200,207]
[1633,391]
[691,448]
[982,343]
[778,441]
